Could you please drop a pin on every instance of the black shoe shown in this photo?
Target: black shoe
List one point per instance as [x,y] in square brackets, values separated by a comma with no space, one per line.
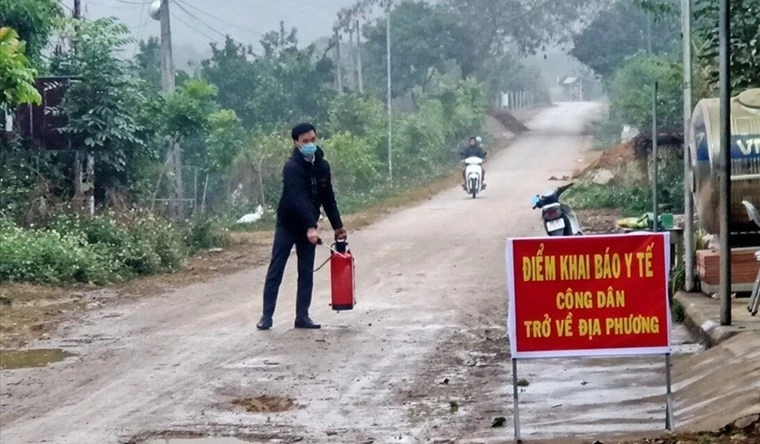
[307,324]
[265,323]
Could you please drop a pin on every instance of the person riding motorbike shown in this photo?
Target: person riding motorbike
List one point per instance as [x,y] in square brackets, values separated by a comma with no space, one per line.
[473,149]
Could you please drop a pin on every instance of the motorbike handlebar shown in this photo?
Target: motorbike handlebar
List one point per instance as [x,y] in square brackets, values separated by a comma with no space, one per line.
[564,188]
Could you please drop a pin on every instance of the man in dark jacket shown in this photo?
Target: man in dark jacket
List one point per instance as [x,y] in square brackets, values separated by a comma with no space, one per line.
[307,185]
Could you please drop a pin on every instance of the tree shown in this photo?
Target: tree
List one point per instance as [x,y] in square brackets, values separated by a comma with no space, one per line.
[16,73]
[33,20]
[630,91]
[210,136]
[497,26]
[148,61]
[745,41]
[102,106]
[290,84]
[230,68]
[224,140]
[620,31]
[424,38]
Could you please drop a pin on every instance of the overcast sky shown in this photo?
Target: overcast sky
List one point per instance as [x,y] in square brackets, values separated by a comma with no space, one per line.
[196,22]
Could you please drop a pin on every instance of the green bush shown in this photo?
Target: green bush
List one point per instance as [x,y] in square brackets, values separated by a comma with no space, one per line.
[51,257]
[158,245]
[205,234]
[100,249]
[141,242]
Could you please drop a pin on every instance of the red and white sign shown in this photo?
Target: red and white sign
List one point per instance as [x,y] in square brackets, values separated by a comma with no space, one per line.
[589,295]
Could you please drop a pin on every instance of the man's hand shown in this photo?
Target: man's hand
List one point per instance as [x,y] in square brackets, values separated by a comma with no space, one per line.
[312,235]
[341,233]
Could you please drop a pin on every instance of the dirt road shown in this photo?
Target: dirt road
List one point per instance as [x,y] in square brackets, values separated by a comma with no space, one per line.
[423,358]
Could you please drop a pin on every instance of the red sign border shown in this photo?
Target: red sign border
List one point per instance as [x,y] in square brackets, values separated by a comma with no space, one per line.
[610,352]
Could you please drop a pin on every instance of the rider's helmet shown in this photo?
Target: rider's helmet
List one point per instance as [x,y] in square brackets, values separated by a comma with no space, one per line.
[479,139]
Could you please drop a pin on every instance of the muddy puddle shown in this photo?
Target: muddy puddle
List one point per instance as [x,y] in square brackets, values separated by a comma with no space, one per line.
[196,441]
[15,359]
[265,404]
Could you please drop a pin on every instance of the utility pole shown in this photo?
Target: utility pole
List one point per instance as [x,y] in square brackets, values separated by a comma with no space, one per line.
[338,62]
[167,62]
[78,195]
[174,151]
[352,60]
[390,96]
[359,57]
[688,198]
[83,193]
[649,33]
[724,32]
[655,161]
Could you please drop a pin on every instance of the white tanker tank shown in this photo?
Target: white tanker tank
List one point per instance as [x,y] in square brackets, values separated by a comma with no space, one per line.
[704,151]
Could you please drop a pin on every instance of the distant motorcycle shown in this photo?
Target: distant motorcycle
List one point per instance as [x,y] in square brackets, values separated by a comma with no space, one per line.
[473,174]
[559,219]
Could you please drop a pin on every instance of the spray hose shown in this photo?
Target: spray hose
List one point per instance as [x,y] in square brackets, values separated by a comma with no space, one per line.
[332,251]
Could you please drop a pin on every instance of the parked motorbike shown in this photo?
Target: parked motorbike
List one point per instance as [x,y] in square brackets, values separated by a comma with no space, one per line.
[473,174]
[559,219]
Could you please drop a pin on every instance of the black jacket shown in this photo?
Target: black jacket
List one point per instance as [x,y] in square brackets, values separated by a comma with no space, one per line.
[305,187]
[470,151]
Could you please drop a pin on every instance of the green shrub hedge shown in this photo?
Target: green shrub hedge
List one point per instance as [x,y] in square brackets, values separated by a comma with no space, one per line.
[100,249]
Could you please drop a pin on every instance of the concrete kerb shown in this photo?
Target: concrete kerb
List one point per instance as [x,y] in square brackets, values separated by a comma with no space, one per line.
[707,330]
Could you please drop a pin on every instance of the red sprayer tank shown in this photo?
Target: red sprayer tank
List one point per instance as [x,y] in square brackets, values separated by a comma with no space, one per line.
[342,273]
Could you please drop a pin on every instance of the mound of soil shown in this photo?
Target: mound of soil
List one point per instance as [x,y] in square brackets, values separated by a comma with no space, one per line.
[509,121]
[614,157]
[599,221]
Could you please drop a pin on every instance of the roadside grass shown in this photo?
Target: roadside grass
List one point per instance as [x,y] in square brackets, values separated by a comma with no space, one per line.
[630,200]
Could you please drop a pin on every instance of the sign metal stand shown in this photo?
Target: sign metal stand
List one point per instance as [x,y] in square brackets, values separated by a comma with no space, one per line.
[516,397]
[669,417]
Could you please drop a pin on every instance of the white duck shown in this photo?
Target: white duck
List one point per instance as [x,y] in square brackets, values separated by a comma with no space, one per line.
[252,217]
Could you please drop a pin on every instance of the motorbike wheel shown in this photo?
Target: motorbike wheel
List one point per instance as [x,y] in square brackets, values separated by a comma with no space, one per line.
[473,188]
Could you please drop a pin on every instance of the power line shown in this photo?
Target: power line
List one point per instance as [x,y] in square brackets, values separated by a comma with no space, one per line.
[225,36]
[192,27]
[61,2]
[226,22]
[140,24]
[200,21]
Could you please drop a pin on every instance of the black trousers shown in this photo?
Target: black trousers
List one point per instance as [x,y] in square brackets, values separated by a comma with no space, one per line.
[284,239]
